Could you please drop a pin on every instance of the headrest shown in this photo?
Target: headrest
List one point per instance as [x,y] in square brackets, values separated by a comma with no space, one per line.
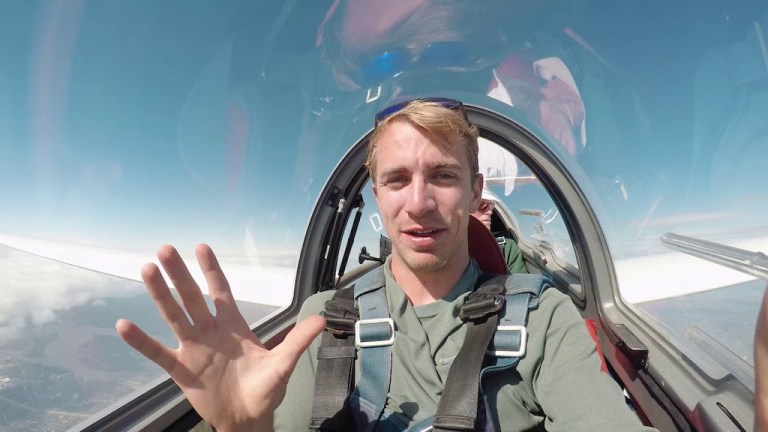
[484,249]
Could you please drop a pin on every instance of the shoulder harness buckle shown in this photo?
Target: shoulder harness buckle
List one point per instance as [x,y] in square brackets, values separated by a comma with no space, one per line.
[487,300]
[377,332]
[340,316]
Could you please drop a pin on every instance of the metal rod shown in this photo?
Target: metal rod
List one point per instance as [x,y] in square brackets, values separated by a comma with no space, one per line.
[752,263]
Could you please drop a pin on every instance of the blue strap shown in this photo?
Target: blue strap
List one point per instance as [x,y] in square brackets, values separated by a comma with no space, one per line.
[530,283]
[390,423]
[523,295]
[509,341]
[374,335]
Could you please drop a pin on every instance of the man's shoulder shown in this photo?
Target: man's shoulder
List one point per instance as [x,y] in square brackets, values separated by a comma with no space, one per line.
[553,305]
[557,313]
[552,297]
[315,303]
[554,301]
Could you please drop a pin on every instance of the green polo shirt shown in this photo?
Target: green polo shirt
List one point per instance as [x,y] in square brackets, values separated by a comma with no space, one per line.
[513,256]
[558,385]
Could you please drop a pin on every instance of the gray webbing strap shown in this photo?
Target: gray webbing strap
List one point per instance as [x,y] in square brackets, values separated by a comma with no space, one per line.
[335,366]
[457,409]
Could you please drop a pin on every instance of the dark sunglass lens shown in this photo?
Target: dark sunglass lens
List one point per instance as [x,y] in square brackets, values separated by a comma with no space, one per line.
[388,111]
[452,104]
[386,65]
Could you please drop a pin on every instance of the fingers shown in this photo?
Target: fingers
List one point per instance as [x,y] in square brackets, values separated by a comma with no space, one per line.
[171,312]
[218,287]
[185,284]
[298,340]
[147,346]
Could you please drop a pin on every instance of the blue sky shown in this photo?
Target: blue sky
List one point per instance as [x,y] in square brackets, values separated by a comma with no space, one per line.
[129,129]
[121,130]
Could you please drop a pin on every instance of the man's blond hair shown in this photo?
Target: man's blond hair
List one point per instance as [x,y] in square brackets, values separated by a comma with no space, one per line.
[448,126]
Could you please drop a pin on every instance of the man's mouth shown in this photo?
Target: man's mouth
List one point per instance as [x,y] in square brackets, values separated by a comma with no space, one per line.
[422,232]
[423,238]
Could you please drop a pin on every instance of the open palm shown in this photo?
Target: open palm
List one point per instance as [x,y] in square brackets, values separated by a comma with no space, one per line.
[228,376]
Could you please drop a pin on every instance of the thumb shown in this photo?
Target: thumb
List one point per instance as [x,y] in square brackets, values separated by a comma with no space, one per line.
[298,340]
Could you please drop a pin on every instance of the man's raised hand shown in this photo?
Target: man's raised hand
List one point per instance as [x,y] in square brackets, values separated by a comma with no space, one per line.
[226,373]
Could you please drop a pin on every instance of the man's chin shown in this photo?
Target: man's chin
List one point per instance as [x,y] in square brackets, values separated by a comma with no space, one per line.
[424,263]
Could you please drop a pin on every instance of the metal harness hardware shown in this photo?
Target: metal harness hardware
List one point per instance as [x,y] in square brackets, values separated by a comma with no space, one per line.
[514,337]
[374,332]
[340,316]
[483,303]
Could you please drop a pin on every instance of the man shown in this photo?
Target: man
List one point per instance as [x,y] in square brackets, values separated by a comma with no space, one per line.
[513,256]
[499,166]
[425,200]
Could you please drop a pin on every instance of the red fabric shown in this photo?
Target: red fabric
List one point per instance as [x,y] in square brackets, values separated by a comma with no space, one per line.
[484,248]
[592,329]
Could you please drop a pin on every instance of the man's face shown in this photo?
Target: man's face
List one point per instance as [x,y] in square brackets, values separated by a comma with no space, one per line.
[484,211]
[425,194]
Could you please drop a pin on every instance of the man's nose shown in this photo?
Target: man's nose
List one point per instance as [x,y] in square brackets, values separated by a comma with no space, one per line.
[421,199]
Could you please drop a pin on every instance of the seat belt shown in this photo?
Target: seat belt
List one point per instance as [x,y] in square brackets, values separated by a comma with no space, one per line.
[500,337]
[457,409]
[335,365]
[336,406]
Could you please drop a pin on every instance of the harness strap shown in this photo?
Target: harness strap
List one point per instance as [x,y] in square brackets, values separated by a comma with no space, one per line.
[335,365]
[509,342]
[500,338]
[374,336]
[457,409]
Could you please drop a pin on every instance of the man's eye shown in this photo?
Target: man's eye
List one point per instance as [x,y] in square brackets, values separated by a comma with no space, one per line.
[445,177]
[398,180]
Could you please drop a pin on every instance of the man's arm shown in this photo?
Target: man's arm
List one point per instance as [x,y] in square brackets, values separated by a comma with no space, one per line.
[514,257]
[228,376]
[573,392]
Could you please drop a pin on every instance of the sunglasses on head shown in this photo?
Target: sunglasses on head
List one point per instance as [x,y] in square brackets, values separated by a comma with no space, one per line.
[451,104]
[393,62]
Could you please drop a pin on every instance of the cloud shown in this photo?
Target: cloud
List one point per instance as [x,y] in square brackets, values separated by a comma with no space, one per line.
[43,284]
[35,289]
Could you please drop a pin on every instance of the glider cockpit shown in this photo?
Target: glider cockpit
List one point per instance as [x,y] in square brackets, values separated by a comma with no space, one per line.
[628,148]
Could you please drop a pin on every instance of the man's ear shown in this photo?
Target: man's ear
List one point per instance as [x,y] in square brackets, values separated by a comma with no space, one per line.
[477,192]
